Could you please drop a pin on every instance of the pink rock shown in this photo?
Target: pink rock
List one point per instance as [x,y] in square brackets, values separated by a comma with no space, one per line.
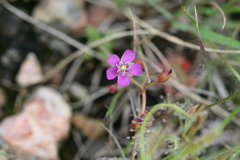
[25,137]
[53,101]
[49,122]
[36,131]
[101,12]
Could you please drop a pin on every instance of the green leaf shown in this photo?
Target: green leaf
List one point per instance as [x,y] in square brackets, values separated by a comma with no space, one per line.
[160,9]
[230,67]
[120,4]
[223,100]
[209,35]
[8,155]
[109,44]
[219,38]
[234,9]
[229,118]
[92,33]
[114,101]
[236,155]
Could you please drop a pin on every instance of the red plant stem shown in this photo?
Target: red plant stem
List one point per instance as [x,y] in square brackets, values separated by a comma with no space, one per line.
[143,90]
[134,150]
[144,99]
[136,83]
[149,84]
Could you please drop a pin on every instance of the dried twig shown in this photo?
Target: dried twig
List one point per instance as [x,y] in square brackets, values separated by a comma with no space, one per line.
[140,53]
[71,74]
[96,78]
[186,91]
[176,40]
[44,26]
[221,11]
[115,140]
[78,53]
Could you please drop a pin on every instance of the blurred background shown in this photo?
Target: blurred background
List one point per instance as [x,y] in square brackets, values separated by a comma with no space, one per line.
[54,94]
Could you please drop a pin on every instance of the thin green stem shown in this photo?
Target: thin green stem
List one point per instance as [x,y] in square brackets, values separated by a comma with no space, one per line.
[224,100]
[134,150]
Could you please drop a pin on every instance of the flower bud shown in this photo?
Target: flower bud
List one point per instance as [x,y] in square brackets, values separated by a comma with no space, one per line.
[164,76]
[139,61]
[186,65]
[113,88]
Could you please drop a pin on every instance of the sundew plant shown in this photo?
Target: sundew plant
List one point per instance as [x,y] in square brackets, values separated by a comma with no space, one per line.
[147,138]
[185,139]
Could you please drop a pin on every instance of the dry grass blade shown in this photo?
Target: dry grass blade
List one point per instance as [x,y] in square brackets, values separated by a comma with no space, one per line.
[81,52]
[45,27]
[115,140]
[71,74]
[134,47]
[202,49]
[186,91]
[176,40]
[222,13]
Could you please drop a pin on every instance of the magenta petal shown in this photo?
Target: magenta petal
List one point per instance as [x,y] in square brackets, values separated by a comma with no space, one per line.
[112,73]
[135,69]
[128,56]
[113,59]
[123,80]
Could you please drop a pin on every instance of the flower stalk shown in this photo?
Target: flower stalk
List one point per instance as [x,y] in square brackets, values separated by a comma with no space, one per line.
[123,69]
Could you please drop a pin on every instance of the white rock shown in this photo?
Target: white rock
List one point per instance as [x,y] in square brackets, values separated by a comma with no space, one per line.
[30,71]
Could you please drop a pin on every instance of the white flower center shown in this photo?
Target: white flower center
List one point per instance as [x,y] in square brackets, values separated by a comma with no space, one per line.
[123,67]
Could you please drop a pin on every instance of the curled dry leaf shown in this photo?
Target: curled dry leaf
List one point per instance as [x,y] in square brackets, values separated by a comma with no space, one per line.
[30,71]
[36,131]
[90,127]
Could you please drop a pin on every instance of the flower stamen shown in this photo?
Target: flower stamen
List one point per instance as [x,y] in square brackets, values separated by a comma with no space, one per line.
[123,67]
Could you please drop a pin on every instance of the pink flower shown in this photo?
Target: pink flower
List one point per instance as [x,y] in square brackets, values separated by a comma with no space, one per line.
[122,68]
